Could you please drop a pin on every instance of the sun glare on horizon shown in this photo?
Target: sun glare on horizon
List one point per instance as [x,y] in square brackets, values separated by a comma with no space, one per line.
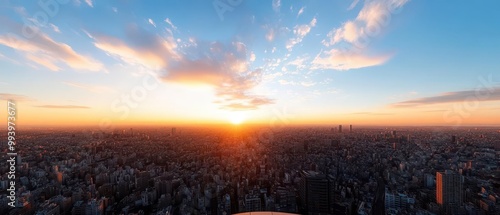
[237,118]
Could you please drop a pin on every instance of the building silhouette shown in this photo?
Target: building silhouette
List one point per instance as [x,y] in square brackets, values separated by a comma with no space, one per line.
[314,193]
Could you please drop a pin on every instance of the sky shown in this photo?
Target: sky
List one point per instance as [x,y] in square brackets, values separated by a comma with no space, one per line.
[372,62]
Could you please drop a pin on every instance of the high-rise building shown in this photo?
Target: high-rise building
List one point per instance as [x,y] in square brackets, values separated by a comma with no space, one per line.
[350,128]
[340,128]
[173,131]
[379,200]
[252,203]
[449,190]
[314,192]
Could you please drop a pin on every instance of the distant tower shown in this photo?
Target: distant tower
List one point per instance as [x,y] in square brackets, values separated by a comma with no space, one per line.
[173,131]
[340,128]
[350,128]
[131,132]
[449,190]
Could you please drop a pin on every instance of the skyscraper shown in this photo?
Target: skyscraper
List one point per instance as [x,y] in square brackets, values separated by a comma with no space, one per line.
[449,190]
[314,193]
[350,128]
[173,131]
[340,128]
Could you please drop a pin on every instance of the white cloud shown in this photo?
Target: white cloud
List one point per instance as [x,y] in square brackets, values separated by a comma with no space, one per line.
[300,11]
[90,3]
[152,22]
[167,20]
[270,34]
[300,31]
[46,52]
[353,4]
[276,5]
[372,17]
[55,28]
[345,60]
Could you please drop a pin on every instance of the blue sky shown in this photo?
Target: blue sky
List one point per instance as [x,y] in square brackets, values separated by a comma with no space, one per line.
[395,61]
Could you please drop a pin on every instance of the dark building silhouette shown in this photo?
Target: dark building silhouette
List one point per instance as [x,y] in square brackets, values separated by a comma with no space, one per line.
[314,193]
[379,200]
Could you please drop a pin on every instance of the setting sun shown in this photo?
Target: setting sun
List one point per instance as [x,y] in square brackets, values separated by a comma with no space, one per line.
[237,118]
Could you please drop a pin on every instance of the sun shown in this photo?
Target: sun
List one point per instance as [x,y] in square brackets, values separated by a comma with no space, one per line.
[237,118]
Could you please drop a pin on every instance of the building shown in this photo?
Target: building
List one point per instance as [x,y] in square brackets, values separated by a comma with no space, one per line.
[350,128]
[314,192]
[340,128]
[398,201]
[449,190]
[252,203]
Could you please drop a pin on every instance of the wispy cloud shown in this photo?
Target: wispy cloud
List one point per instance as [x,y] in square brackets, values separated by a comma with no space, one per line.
[152,22]
[488,94]
[47,52]
[151,51]
[90,3]
[55,28]
[168,21]
[370,17]
[354,33]
[90,88]
[353,4]
[225,66]
[276,5]
[346,60]
[63,106]
[15,97]
[300,11]
[300,31]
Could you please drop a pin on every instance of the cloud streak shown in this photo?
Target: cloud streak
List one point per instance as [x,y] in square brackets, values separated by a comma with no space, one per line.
[90,88]
[63,106]
[488,94]
[15,97]
[44,51]
[345,60]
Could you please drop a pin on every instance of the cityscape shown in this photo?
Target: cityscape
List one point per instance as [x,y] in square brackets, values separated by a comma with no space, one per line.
[219,107]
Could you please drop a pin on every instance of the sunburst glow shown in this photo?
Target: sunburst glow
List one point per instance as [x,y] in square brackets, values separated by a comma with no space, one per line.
[237,118]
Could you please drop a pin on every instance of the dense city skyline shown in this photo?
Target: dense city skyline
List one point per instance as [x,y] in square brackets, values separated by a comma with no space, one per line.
[376,62]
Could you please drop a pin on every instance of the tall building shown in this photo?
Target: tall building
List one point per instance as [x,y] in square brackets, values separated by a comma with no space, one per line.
[314,192]
[379,200]
[173,131]
[350,128]
[340,128]
[252,203]
[449,188]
